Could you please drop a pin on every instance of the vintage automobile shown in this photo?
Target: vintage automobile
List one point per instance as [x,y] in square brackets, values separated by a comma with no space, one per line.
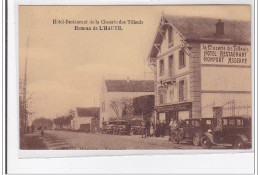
[108,127]
[192,130]
[122,127]
[136,126]
[234,130]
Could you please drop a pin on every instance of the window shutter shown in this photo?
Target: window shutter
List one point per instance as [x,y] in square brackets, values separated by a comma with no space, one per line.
[185,89]
[177,86]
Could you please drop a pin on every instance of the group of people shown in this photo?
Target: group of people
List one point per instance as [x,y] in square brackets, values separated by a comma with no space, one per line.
[158,130]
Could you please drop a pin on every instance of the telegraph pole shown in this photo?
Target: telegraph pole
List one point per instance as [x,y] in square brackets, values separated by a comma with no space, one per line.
[25,122]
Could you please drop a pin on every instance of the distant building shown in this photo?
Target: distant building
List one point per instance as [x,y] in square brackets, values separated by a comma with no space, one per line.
[200,64]
[112,90]
[86,119]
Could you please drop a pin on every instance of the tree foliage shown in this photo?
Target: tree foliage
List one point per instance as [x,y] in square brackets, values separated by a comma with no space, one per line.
[143,105]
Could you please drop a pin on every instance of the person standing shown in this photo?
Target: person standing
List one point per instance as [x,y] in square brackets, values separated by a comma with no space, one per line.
[147,128]
[158,128]
[163,125]
[143,129]
[170,129]
[151,129]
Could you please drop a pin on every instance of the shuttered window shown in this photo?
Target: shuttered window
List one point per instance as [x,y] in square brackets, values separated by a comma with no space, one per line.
[181,59]
[161,67]
[170,62]
[183,90]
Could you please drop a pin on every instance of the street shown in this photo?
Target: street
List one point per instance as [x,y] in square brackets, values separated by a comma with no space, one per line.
[60,140]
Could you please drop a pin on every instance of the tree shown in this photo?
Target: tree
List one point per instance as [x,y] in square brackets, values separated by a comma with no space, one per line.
[115,105]
[143,105]
[122,107]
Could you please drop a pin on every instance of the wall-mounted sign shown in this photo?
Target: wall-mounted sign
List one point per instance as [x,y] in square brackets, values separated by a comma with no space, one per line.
[162,90]
[225,54]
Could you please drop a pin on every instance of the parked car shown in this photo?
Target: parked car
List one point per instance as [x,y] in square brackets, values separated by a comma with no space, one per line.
[108,127]
[136,126]
[122,127]
[234,130]
[192,130]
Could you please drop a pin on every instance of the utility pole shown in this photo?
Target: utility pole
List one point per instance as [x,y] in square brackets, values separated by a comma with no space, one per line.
[25,91]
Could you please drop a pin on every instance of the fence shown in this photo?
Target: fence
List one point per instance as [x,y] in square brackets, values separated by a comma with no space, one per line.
[229,108]
[232,109]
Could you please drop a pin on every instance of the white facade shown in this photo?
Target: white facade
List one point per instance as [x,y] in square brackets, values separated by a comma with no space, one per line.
[80,120]
[106,111]
[215,72]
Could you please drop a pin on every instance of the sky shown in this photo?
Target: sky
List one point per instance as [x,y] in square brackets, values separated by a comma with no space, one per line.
[65,67]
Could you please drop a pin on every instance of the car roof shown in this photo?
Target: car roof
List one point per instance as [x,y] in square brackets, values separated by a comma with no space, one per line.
[235,117]
[199,118]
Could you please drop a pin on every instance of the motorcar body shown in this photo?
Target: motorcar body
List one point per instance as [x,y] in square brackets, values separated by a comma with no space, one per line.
[192,130]
[122,127]
[235,130]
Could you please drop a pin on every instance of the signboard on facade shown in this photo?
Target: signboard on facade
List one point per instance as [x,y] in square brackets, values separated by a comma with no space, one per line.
[162,90]
[225,54]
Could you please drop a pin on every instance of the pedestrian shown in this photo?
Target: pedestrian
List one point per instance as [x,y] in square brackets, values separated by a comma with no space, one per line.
[163,125]
[158,128]
[151,129]
[128,129]
[170,129]
[42,132]
[147,128]
[142,129]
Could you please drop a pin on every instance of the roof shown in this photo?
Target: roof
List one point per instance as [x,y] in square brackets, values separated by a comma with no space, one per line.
[130,86]
[88,112]
[204,30]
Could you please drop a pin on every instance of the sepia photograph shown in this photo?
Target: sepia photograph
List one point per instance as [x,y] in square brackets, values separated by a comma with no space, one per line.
[135,77]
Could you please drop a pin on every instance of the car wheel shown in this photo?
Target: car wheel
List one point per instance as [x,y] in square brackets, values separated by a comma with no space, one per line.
[196,140]
[175,138]
[181,133]
[205,142]
[239,144]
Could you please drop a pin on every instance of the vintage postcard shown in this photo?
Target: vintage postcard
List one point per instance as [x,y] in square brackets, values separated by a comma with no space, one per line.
[135,77]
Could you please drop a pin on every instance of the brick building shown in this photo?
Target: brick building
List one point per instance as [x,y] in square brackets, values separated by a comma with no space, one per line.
[200,63]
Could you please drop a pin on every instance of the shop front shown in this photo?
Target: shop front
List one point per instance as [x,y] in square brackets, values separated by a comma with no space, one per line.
[180,111]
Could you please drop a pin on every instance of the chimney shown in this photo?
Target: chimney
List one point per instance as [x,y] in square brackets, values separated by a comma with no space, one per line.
[220,27]
[128,79]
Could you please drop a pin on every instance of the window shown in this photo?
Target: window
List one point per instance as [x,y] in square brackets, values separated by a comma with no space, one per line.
[170,62]
[232,122]
[239,122]
[170,37]
[208,122]
[181,90]
[171,93]
[196,123]
[160,98]
[181,59]
[161,67]
[225,122]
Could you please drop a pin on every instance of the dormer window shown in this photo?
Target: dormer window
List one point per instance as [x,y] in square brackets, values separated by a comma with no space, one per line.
[170,37]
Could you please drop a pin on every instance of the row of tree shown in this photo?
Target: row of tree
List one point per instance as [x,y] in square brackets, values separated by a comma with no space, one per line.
[129,107]
[64,119]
